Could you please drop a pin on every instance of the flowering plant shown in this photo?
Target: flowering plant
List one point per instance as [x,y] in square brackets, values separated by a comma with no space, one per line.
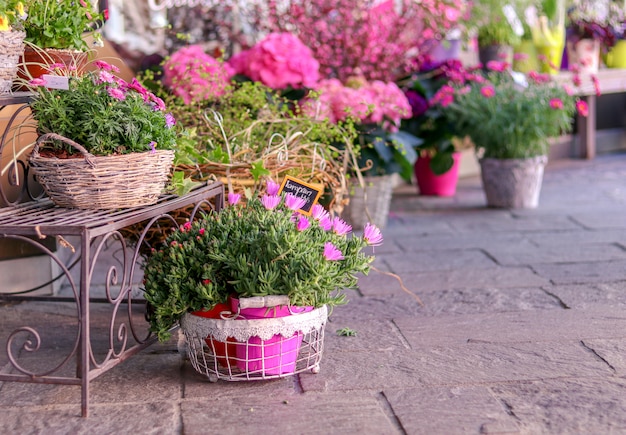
[599,20]
[372,43]
[509,115]
[61,23]
[12,15]
[428,120]
[377,108]
[279,61]
[102,112]
[195,76]
[264,247]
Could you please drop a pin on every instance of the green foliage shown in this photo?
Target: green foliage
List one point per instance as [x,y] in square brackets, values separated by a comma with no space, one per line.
[59,23]
[496,32]
[103,124]
[517,120]
[248,251]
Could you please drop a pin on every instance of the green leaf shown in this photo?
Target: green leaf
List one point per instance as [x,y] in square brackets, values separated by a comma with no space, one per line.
[258,170]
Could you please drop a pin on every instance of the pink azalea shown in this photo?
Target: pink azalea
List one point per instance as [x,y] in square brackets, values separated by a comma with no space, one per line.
[271,187]
[372,235]
[270,201]
[280,61]
[233,198]
[340,227]
[331,252]
[293,202]
[196,76]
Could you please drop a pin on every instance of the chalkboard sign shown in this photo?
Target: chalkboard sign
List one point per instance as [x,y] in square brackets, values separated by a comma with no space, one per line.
[303,190]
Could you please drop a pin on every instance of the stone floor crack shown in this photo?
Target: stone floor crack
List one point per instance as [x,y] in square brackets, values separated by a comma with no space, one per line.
[389,412]
[597,355]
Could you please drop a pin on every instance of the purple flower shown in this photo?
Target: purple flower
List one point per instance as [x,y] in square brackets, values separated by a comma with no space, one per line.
[233,198]
[272,188]
[372,235]
[293,202]
[153,145]
[170,121]
[303,223]
[270,201]
[340,227]
[331,252]
[419,104]
[106,77]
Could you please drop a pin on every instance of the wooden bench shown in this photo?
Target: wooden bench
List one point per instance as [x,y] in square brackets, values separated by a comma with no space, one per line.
[32,220]
[611,81]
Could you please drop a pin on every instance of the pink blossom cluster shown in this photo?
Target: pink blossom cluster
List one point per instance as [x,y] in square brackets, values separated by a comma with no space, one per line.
[279,61]
[374,102]
[362,37]
[196,76]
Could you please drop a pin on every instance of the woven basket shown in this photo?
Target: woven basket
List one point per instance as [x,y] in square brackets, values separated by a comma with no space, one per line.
[107,182]
[11,49]
[369,204]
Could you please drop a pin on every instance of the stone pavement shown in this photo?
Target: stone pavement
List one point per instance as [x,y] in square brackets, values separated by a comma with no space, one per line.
[523,331]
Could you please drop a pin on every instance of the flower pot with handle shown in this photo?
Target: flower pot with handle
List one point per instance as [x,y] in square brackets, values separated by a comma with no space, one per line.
[429,183]
[224,351]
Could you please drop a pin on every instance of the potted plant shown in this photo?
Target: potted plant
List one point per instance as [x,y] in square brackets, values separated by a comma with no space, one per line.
[439,152]
[263,248]
[593,28]
[55,31]
[104,143]
[12,15]
[510,117]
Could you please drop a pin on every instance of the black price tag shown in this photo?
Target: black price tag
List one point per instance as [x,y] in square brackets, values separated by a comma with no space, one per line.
[303,190]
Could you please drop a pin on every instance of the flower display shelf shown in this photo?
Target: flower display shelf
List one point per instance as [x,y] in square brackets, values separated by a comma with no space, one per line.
[234,349]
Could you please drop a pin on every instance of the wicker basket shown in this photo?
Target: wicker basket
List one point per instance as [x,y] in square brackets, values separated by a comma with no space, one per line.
[11,49]
[369,204]
[107,182]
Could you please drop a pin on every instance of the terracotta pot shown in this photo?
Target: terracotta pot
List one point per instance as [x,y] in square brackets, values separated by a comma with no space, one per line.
[36,63]
[224,351]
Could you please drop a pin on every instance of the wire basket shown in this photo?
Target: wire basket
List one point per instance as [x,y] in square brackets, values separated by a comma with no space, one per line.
[234,348]
[11,49]
[103,182]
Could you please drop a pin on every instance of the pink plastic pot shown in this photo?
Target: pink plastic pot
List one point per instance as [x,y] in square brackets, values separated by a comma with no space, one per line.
[275,356]
[436,185]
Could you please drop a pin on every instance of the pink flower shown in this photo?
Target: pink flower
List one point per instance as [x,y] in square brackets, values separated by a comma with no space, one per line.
[38,82]
[372,235]
[303,223]
[170,121]
[319,212]
[488,91]
[556,103]
[105,66]
[498,66]
[116,93]
[520,56]
[233,198]
[186,227]
[271,187]
[596,84]
[201,231]
[331,252]
[106,77]
[196,76]
[582,108]
[340,227]
[444,96]
[280,61]
[293,202]
[326,223]
[270,201]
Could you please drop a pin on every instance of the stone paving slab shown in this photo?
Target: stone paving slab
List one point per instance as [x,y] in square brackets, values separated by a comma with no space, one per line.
[568,238]
[613,351]
[445,242]
[528,253]
[502,277]
[425,261]
[450,410]
[584,296]
[348,413]
[571,406]
[583,273]
[514,326]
